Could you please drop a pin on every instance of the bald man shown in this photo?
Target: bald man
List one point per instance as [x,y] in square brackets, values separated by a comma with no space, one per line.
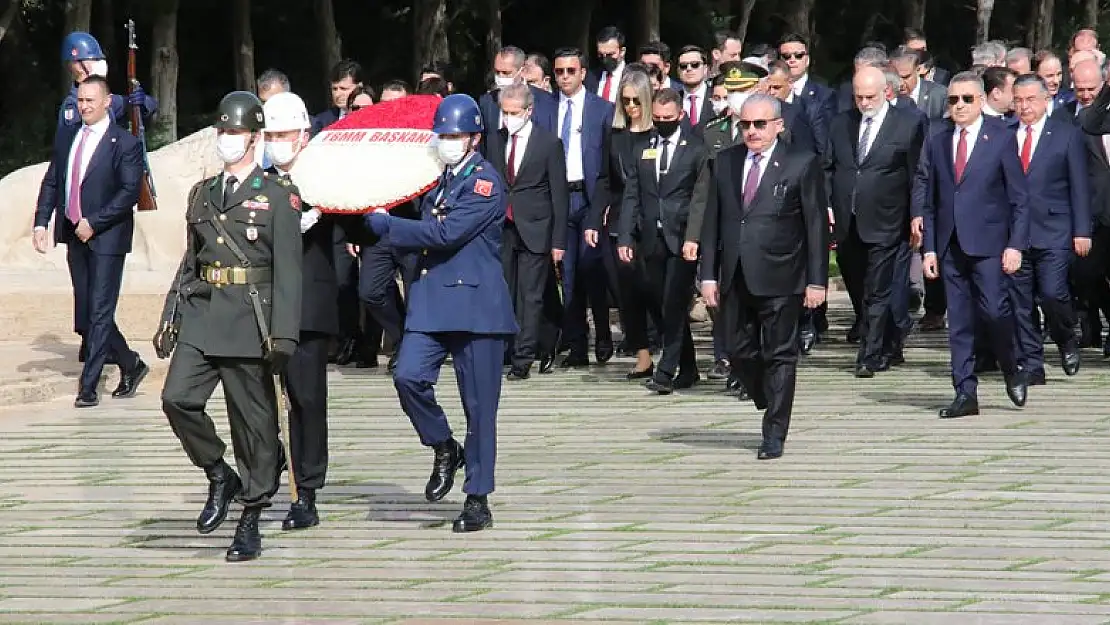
[872,156]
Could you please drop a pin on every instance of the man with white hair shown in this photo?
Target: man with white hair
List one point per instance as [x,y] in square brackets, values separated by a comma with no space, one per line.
[989,54]
[869,56]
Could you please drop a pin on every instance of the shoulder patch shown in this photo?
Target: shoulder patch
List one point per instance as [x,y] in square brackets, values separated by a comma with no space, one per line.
[483,188]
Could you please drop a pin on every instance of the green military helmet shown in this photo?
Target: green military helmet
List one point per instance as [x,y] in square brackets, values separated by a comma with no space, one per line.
[240,110]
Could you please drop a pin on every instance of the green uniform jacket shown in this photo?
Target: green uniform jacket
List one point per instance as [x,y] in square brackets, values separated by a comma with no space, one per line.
[263,219]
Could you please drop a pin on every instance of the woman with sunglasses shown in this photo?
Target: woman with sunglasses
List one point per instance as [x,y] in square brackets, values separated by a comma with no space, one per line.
[631,126]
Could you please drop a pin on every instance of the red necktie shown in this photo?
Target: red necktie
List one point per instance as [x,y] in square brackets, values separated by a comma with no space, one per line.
[693,110]
[961,154]
[73,205]
[1027,149]
[511,174]
[608,84]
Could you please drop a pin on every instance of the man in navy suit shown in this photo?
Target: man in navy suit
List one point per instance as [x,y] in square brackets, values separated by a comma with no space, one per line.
[971,206]
[459,306]
[1053,155]
[91,189]
[508,69]
[610,55]
[819,100]
[584,123]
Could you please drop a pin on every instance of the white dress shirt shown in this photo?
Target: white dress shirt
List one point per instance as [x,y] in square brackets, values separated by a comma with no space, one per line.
[876,124]
[972,137]
[915,95]
[672,145]
[1038,130]
[614,85]
[575,171]
[521,144]
[96,133]
[799,85]
[990,112]
[700,94]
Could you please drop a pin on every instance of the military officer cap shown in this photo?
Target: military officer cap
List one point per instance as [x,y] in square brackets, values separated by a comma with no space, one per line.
[741,76]
[240,110]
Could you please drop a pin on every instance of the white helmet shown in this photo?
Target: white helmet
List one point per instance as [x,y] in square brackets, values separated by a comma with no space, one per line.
[286,111]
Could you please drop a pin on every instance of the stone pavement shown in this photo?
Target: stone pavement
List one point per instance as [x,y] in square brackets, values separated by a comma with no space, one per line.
[612,507]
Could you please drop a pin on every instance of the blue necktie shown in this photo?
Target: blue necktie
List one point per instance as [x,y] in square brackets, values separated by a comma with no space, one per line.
[564,134]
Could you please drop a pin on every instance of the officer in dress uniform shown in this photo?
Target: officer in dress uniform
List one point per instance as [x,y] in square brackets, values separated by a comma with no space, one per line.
[234,313]
[287,132]
[459,305]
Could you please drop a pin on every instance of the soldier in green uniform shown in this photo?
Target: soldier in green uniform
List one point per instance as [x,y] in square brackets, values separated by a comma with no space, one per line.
[234,315]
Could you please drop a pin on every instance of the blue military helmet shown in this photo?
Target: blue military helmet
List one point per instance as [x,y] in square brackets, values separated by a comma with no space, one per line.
[457,113]
[79,46]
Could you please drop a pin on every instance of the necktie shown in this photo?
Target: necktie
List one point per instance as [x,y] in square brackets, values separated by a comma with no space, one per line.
[511,174]
[961,154]
[693,110]
[664,157]
[564,132]
[1027,149]
[865,137]
[751,183]
[229,189]
[73,205]
[608,85]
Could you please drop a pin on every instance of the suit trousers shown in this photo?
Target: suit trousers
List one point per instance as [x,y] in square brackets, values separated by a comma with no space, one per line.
[347,276]
[764,334]
[584,281]
[96,280]
[1044,273]
[870,267]
[1091,292]
[307,380]
[935,301]
[251,414]
[977,292]
[477,360]
[377,285]
[526,274]
[638,304]
[900,322]
[671,278]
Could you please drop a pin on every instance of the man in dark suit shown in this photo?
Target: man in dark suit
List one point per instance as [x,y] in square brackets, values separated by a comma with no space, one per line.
[605,81]
[1053,156]
[795,120]
[90,190]
[765,255]
[584,124]
[460,307]
[508,69]
[660,222]
[817,98]
[871,159]
[658,54]
[971,206]
[531,161]
[867,57]
[693,70]
[927,95]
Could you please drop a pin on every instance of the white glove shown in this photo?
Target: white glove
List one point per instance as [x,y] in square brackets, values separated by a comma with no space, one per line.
[309,219]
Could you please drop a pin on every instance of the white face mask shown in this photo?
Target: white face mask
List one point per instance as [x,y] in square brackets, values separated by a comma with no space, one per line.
[503,81]
[452,151]
[513,123]
[283,152]
[231,148]
[98,68]
[736,101]
[718,106]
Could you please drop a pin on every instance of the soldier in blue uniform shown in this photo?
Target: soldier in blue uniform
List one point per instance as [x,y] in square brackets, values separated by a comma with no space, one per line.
[459,305]
[82,56]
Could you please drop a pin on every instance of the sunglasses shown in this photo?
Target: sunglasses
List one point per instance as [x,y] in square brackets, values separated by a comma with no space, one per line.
[759,124]
[953,100]
[690,65]
[797,56]
[565,71]
[630,101]
[356,107]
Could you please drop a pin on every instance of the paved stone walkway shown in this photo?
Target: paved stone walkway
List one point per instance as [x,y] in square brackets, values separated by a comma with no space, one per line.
[613,506]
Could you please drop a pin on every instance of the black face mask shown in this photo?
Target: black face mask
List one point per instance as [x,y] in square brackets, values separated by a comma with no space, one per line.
[666,128]
[609,63]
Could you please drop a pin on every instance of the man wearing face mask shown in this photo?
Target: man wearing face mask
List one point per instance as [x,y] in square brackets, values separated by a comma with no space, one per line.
[459,306]
[234,316]
[610,55]
[508,69]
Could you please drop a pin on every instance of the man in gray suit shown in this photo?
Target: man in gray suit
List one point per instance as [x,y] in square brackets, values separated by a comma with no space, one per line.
[929,96]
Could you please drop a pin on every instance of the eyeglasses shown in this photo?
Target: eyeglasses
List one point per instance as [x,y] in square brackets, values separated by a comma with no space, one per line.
[690,65]
[565,71]
[759,124]
[630,101]
[953,100]
[797,56]
[356,107]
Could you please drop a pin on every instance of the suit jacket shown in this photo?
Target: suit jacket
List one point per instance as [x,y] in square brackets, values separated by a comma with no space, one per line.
[878,187]
[988,210]
[538,194]
[1063,98]
[671,199]
[1098,171]
[322,120]
[798,131]
[622,157]
[781,241]
[940,76]
[543,112]
[597,126]
[906,103]
[932,99]
[1059,201]
[820,106]
[705,107]
[109,191]
[461,283]
[1095,119]
[1066,114]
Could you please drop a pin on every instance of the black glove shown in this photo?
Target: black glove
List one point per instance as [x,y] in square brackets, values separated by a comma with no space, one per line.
[165,339]
[280,354]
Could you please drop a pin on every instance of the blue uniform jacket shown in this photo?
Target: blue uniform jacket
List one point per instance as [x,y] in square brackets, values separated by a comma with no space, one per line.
[460,286]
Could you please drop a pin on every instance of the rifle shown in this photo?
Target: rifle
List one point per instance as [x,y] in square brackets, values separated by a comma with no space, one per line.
[148,198]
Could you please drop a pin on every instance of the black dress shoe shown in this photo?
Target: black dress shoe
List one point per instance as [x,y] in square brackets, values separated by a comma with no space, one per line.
[518,373]
[603,351]
[896,357]
[449,457]
[660,384]
[86,399]
[129,381]
[391,366]
[863,371]
[1069,360]
[575,360]
[719,371]
[769,451]
[303,513]
[854,333]
[247,544]
[346,352]
[807,340]
[1017,388]
[547,363]
[475,515]
[963,406]
[640,374]
[684,380]
[366,362]
[223,486]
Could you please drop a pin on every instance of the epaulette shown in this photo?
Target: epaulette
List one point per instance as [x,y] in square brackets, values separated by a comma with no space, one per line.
[720,119]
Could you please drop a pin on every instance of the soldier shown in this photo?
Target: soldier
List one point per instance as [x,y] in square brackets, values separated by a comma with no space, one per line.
[235,316]
[459,306]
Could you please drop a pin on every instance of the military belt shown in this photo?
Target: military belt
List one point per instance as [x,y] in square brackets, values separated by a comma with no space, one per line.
[234,275]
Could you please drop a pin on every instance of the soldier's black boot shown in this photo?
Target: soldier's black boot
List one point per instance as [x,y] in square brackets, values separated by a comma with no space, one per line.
[475,515]
[247,544]
[223,486]
[303,513]
[449,457]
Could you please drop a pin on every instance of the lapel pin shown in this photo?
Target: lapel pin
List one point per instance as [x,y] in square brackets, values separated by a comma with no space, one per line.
[776,163]
[985,137]
[113,139]
[681,143]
